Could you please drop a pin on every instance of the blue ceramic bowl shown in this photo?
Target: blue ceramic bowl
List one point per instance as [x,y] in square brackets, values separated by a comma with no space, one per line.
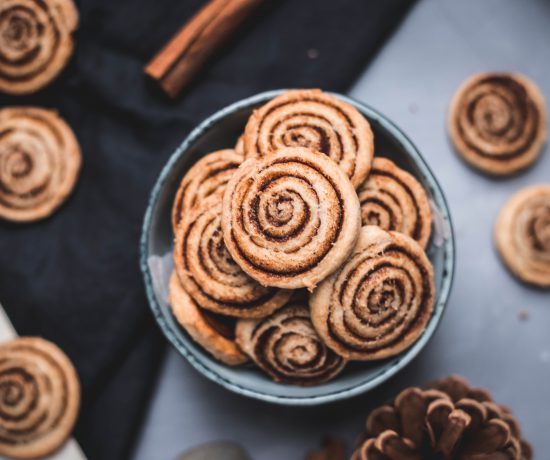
[221,131]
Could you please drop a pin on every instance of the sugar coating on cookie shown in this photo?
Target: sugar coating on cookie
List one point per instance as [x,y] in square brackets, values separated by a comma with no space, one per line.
[497,122]
[522,235]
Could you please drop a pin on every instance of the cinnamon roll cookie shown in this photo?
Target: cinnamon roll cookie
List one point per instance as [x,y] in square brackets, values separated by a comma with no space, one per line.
[497,122]
[291,218]
[286,346]
[239,146]
[39,398]
[210,275]
[522,235]
[39,163]
[35,42]
[212,332]
[318,121]
[208,176]
[379,302]
[393,199]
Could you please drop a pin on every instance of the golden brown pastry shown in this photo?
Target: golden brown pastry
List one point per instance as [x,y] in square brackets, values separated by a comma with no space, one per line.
[39,163]
[210,275]
[35,42]
[286,346]
[318,121]
[39,398]
[239,146]
[393,199]
[497,122]
[291,218]
[206,177]
[379,302]
[522,235]
[213,333]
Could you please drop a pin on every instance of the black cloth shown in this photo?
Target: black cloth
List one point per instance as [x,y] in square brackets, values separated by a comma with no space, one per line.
[74,278]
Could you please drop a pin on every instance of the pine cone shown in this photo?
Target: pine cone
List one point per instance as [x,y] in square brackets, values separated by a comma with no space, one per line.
[447,420]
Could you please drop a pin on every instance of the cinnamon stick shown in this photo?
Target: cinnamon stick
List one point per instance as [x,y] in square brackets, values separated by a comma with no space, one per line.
[185,54]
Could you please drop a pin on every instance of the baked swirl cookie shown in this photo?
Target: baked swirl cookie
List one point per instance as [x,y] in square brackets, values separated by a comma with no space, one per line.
[39,163]
[208,176]
[39,398]
[286,346]
[379,302]
[318,121]
[210,275]
[35,42]
[215,334]
[291,218]
[497,122]
[239,146]
[522,235]
[392,199]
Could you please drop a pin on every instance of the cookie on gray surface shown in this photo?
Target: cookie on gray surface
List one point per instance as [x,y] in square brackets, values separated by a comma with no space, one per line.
[497,122]
[522,235]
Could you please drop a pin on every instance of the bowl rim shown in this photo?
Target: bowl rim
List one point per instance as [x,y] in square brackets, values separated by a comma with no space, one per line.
[402,360]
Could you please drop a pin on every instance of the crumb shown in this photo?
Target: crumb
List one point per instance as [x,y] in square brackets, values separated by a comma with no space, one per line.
[413,108]
[523,315]
[312,53]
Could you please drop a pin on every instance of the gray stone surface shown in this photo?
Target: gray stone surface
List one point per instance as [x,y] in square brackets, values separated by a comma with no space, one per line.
[481,336]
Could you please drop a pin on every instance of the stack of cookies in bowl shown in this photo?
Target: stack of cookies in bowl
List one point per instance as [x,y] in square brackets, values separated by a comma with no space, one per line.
[299,250]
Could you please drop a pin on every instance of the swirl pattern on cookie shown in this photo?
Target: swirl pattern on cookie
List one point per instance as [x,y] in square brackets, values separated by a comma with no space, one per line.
[239,146]
[39,163]
[393,199]
[35,42]
[522,235]
[497,122]
[210,275]
[39,398]
[379,302]
[318,121]
[286,346]
[213,333]
[291,218]
[208,176]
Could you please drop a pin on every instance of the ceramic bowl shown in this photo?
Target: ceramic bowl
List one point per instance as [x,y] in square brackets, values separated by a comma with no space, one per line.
[221,131]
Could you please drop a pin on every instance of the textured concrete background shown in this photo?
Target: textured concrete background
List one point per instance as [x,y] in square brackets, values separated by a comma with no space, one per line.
[481,336]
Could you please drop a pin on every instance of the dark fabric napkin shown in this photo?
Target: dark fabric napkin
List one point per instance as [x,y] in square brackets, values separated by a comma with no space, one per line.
[74,278]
